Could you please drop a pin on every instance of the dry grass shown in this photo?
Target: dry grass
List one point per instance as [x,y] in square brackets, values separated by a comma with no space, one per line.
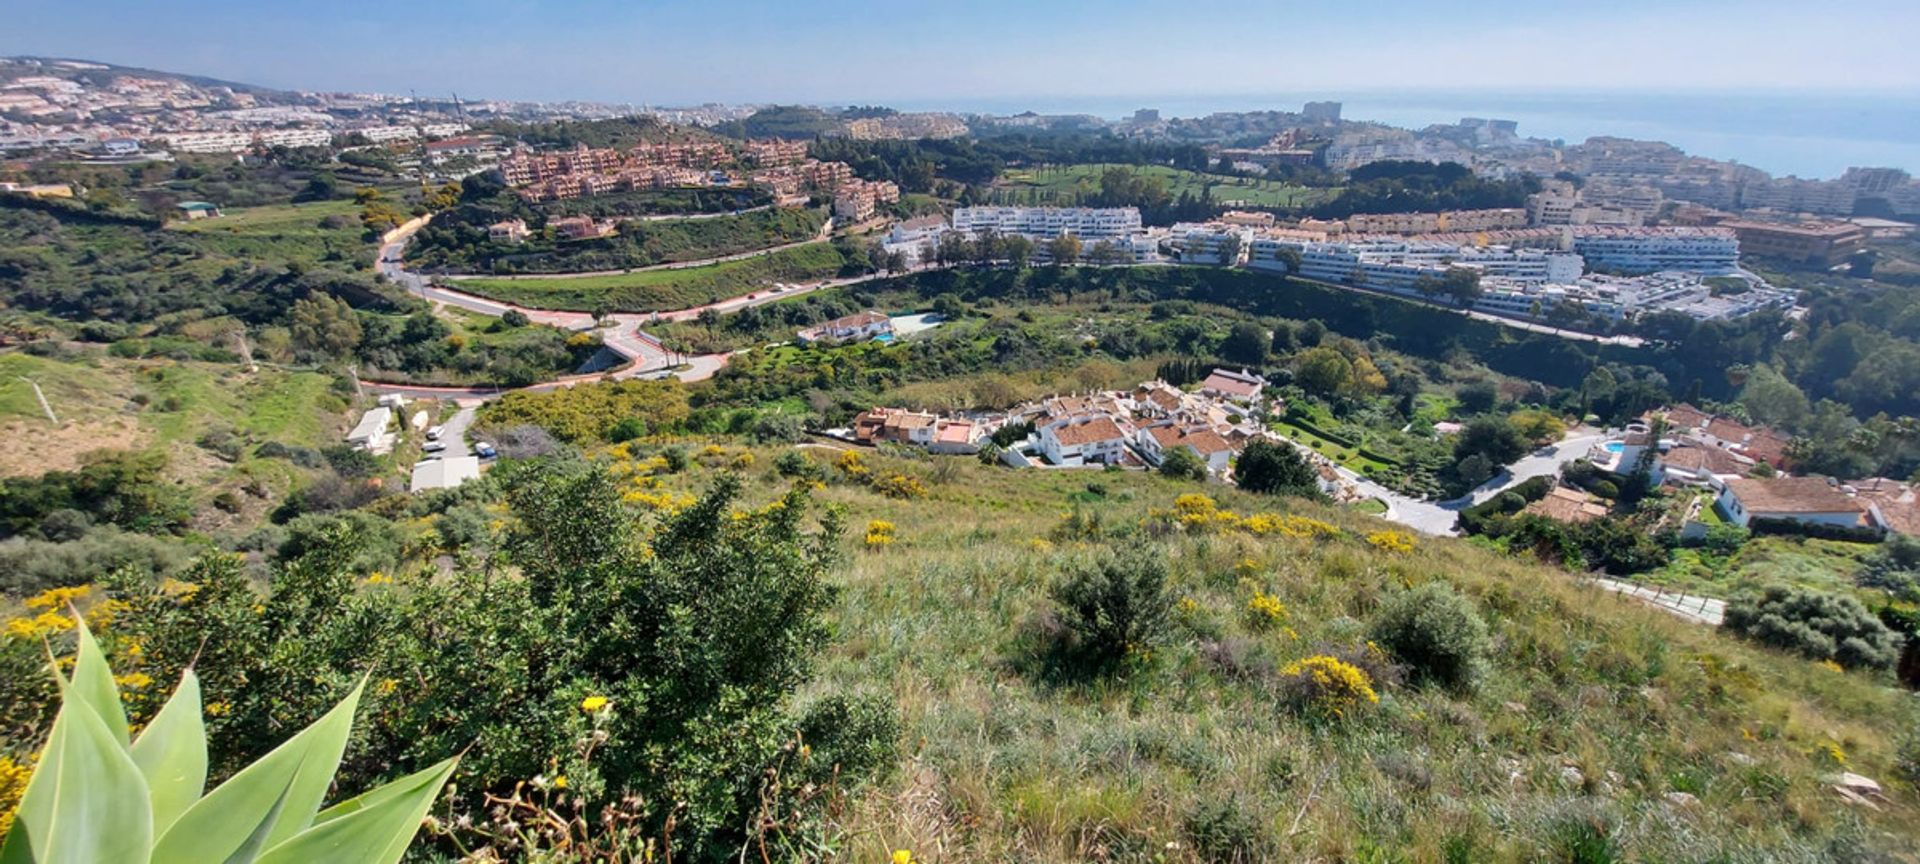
[1595,709]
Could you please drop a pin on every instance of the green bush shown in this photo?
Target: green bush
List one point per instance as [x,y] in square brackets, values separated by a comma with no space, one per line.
[1221,831]
[1434,631]
[1109,610]
[852,736]
[1815,624]
[1180,463]
[795,464]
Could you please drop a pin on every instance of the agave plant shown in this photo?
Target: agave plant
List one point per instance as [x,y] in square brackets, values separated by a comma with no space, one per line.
[100,796]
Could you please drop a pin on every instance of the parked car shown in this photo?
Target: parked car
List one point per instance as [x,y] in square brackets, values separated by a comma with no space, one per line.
[434,446]
[485,450]
[434,433]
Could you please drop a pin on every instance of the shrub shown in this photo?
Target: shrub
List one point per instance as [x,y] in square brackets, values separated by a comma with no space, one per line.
[1274,469]
[879,534]
[795,464]
[1326,686]
[776,428]
[853,736]
[1265,611]
[1223,832]
[351,461]
[1814,624]
[1181,463]
[1112,609]
[626,429]
[1435,632]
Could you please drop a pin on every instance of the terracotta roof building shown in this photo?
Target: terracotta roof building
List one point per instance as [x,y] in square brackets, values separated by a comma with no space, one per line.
[1807,500]
[1567,505]
[1241,386]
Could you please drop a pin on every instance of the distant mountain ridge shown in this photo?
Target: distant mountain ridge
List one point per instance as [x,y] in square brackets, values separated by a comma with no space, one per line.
[16,66]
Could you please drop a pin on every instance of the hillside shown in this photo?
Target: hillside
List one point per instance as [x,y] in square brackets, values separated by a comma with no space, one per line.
[1597,730]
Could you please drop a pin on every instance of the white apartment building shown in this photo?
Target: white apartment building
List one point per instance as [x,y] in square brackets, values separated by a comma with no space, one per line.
[1398,265]
[1647,250]
[1087,223]
[1206,242]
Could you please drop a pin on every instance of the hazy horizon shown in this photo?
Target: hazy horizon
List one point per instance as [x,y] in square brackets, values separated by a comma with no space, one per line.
[864,52]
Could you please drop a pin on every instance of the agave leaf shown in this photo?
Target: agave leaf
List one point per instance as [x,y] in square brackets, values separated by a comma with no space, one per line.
[172,754]
[256,842]
[218,825]
[86,803]
[93,683]
[374,828]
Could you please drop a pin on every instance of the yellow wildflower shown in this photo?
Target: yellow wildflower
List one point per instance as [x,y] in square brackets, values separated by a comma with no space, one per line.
[560,782]
[902,856]
[218,709]
[134,680]
[879,534]
[58,598]
[1332,685]
[1265,610]
[593,703]
[1391,541]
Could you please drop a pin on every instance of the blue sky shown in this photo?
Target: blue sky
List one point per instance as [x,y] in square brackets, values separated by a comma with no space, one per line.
[673,52]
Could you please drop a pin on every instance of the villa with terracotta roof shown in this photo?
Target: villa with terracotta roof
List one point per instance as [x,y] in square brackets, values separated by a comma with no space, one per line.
[1086,441]
[1241,386]
[1155,442]
[1806,500]
[1697,464]
[1567,505]
[955,437]
[861,326]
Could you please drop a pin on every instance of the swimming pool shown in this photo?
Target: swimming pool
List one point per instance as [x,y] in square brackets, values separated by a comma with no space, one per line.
[1616,446]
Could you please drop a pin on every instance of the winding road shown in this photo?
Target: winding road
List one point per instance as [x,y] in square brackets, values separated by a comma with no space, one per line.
[646,357]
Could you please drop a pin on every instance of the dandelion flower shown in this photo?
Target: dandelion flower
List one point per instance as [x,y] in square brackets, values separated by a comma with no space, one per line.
[593,703]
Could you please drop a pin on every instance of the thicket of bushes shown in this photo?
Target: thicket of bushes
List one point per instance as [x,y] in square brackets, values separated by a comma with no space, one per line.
[1815,624]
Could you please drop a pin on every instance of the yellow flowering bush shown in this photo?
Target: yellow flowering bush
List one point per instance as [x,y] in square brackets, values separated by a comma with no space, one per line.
[1274,524]
[1397,542]
[59,598]
[879,534]
[851,465]
[592,704]
[1265,610]
[900,486]
[1326,685]
[13,784]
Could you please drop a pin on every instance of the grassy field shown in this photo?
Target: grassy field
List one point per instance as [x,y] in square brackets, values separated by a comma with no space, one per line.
[1827,565]
[311,233]
[108,403]
[1069,183]
[664,290]
[1594,712]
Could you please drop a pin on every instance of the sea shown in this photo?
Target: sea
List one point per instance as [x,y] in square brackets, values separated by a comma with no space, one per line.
[1814,135]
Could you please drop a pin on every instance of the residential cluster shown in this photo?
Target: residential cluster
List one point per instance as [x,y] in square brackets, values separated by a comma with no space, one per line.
[1615,273]
[781,167]
[1117,227]
[1134,428]
[1687,448]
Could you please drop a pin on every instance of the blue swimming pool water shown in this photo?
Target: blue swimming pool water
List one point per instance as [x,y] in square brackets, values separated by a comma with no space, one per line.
[1616,446]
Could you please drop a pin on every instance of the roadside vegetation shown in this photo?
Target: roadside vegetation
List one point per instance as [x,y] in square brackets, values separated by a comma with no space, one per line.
[665,290]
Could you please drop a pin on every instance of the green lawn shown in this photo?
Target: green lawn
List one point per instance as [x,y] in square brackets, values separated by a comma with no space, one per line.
[313,233]
[664,290]
[1069,183]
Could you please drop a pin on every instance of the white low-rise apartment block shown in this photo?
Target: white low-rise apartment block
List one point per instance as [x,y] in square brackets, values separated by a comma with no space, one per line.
[1084,441]
[1087,223]
[1648,250]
